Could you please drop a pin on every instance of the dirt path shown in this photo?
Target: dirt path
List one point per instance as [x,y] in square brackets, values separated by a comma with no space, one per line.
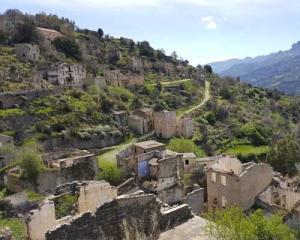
[205,99]
[171,82]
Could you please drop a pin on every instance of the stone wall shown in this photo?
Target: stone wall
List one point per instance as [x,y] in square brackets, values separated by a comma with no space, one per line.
[94,194]
[165,124]
[127,187]
[26,52]
[175,216]
[40,220]
[18,199]
[195,200]
[81,171]
[127,217]
[77,143]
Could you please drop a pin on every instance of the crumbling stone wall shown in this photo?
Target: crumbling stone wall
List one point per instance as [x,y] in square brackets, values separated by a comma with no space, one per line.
[129,186]
[175,216]
[195,200]
[40,220]
[126,217]
[93,194]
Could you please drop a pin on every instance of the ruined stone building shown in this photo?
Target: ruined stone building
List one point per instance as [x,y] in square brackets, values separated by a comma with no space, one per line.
[161,174]
[231,183]
[91,195]
[27,52]
[116,78]
[133,216]
[126,158]
[49,34]
[135,64]
[141,121]
[282,193]
[189,162]
[120,117]
[167,125]
[65,74]
[62,167]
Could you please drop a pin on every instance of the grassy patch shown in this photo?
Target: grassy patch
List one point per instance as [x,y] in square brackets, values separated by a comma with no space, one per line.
[246,150]
[12,112]
[185,145]
[16,226]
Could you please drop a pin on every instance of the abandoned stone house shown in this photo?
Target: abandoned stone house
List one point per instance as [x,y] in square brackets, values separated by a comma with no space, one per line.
[49,34]
[126,158]
[62,167]
[189,162]
[141,121]
[65,74]
[120,117]
[26,52]
[116,78]
[98,81]
[282,193]
[162,174]
[135,64]
[167,125]
[231,183]
[91,195]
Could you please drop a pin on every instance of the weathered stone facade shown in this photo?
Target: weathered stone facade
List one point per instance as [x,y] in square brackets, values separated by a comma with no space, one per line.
[65,74]
[116,78]
[167,125]
[189,162]
[231,183]
[120,117]
[141,121]
[27,52]
[195,200]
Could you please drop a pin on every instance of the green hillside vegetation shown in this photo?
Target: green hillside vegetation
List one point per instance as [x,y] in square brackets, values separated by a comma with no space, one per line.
[229,116]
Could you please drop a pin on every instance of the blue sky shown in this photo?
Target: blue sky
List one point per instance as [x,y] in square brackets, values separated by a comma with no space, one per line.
[201,31]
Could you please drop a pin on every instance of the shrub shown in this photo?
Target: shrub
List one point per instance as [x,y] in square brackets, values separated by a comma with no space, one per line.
[26,32]
[110,172]
[232,224]
[254,133]
[64,205]
[31,163]
[185,145]
[67,46]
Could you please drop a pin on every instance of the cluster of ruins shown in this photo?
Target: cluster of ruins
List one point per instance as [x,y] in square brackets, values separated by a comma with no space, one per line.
[165,123]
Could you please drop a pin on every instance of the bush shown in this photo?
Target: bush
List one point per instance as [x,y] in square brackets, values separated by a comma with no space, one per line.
[64,205]
[232,224]
[185,145]
[31,163]
[110,172]
[67,46]
[26,32]
[254,133]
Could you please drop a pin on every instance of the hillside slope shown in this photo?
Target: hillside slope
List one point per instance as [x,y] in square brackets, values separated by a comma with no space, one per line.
[279,70]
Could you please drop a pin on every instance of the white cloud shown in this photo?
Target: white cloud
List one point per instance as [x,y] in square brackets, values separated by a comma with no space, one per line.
[209,22]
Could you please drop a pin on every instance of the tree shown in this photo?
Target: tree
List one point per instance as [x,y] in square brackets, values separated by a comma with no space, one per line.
[284,154]
[26,32]
[232,224]
[174,56]
[208,68]
[68,46]
[146,49]
[100,33]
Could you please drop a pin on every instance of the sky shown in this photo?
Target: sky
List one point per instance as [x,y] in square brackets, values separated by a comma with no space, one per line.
[201,31]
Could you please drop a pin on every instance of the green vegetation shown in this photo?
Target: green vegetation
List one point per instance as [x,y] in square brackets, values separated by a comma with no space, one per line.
[232,224]
[247,151]
[110,172]
[68,46]
[185,145]
[64,205]
[12,112]
[284,155]
[16,226]
[31,163]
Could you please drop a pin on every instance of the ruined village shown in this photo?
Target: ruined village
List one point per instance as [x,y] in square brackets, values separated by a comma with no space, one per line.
[162,193]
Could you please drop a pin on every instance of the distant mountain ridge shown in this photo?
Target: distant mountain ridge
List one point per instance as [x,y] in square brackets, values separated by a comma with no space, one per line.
[279,70]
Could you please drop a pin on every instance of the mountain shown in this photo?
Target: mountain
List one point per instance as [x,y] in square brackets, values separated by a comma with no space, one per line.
[279,70]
